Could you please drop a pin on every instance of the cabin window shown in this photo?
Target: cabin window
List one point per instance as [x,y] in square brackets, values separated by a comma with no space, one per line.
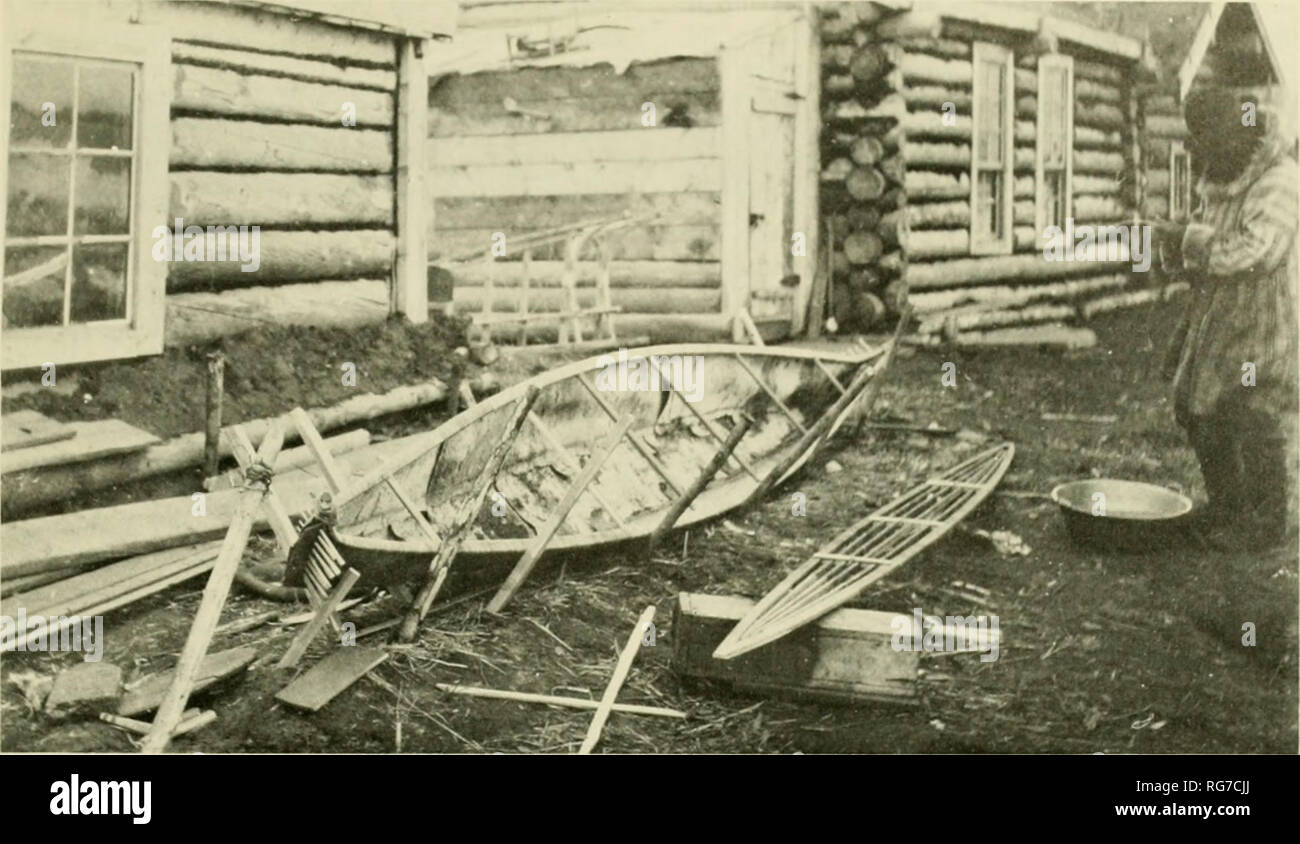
[1180,181]
[992,150]
[79,281]
[1053,159]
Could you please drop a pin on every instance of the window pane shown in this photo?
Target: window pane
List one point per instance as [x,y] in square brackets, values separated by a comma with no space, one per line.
[988,199]
[33,285]
[1054,198]
[98,282]
[103,195]
[38,194]
[104,106]
[37,83]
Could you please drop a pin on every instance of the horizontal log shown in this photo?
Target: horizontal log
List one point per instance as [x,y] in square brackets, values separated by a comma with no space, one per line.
[292,256]
[937,155]
[1086,137]
[921,68]
[249,145]
[1161,126]
[1098,72]
[1098,115]
[1005,268]
[632,243]
[1088,161]
[267,64]
[939,215]
[1098,208]
[1005,296]
[515,213]
[1158,181]
[583,114]
[947,48]
[279,199]
[927,185]
[663,300]
[862,248]
[1083,185]
[194,318]
[966,320]
[1026,81]
[1105,304]
[920,97]
[649,81]
[210,91]
[836,56]
[647,274]
[922,245]
[673,176]
[577,148]
[873,60]
[865,183]
[913,23]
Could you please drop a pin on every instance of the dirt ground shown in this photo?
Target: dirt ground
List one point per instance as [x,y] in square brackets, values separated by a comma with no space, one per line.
[1101,652]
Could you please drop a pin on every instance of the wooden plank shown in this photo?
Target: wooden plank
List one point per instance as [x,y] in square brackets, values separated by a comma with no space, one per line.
[293,256]
[652,242]
[27,428]
[846,656]
[661,300]
[269,199]
[806,188]
[214,598]
[621,669]
[216,144]
[324,613]
[410,291]
[293,458]
[557,516]
[623,274]
[311,438]
[735,220]
[147,695]
[684,174]
[657,81]
[555,700]
[640,145]
[525,213]
[197,317]
[90,440]
[267,64]
[209,91]
[325,680]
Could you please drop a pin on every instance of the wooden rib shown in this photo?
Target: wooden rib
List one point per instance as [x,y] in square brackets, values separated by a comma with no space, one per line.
[637,444]
[796,600]
[421,523]
[574,465]
[789,414]
[708,425]
[324,613]
[831,375]
[879,561]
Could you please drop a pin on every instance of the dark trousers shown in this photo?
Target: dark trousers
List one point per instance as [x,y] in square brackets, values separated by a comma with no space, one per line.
[1247,452]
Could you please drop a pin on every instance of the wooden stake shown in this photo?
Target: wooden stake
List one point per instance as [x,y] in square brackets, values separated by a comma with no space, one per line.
[214,597]
[616,682]
[212,427]
[323,613]
[697,486]
[451,543]
[554,700]
[544,536]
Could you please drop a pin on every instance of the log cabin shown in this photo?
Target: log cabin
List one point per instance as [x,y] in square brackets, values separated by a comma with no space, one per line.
[128,115]
[699,122]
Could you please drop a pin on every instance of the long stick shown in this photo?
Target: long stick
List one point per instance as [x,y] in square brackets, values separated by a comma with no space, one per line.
[451,543]
[214,598]
[212,428]
[561,512]
[692,492]
[555,700]
[616,682]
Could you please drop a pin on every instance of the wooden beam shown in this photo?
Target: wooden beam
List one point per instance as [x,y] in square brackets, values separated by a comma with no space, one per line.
[90,440]
[735,180]
[805,209]
[621,669]
[409,296]
[666,144]
[323,613]
[292,256]
[227,144]
[555,700]
[214,598]
[206,90]
[558,515]
[620,177]
[269,199]
[701,481]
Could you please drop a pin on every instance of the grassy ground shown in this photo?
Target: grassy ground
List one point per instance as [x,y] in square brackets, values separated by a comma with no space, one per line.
[1101,652]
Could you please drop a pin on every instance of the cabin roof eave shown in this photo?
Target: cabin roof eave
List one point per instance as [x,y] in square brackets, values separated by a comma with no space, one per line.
[1020,20]
[425,19]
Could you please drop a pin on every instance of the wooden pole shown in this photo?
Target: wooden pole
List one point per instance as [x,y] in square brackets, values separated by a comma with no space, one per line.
[214,597]
[330,605]
[555,700]
[451,543]
[621,669]
[701,481]
[212,427]
[544,536]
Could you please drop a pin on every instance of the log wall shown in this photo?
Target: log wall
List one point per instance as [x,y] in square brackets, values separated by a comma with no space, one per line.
[574,148]
[896,180]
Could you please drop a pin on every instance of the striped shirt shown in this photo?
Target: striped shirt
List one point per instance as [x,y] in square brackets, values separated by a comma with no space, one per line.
[1239,253]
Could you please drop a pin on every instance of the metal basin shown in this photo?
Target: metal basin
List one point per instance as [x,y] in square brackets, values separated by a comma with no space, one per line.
[1137,516]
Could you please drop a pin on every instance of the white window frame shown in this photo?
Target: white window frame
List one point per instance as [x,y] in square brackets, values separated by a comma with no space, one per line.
[1065,63]
[1178,151]
[141,331]
[982,51]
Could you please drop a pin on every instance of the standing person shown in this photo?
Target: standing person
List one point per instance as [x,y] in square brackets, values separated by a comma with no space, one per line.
[1237,377]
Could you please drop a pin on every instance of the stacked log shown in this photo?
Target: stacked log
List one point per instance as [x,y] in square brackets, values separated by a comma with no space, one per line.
[1162,125]
[864,171]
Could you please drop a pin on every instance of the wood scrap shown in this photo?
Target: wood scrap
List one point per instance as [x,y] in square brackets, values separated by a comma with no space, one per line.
[621,669]
[1096,419]
[328,678]
[561,512]
[215,593]
[90,440]
[145,695]
[555,700]
[192,720]
[27,428]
